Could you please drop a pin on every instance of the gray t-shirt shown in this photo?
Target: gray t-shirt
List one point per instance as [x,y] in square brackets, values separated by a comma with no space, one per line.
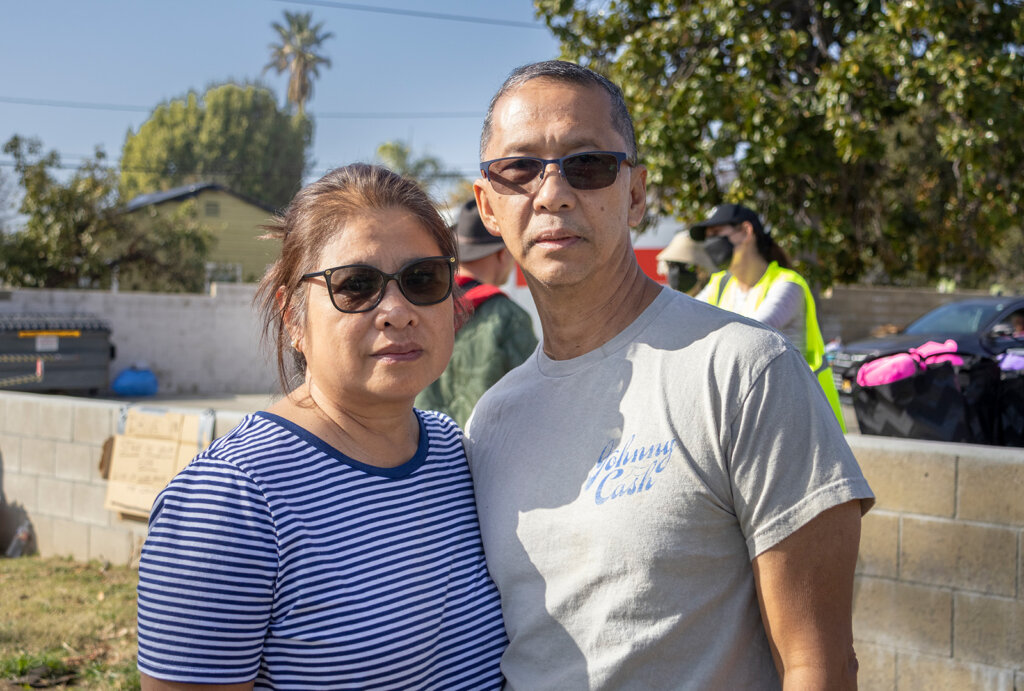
[623,493]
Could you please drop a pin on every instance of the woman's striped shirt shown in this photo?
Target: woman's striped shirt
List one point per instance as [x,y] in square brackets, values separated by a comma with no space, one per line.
[274,557]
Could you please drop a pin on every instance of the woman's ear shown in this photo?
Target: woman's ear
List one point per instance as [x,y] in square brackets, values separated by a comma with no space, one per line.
[293,329]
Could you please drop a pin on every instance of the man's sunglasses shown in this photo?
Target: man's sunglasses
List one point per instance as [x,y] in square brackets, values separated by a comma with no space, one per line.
[360,287]
[590,170]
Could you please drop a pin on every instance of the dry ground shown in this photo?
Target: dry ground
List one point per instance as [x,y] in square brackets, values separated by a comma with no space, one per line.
[67,624]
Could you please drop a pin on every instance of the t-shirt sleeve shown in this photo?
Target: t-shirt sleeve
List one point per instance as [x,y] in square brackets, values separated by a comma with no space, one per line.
[789,460]
[207,577]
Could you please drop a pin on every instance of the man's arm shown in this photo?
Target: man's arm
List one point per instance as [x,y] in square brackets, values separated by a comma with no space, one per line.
[805,590]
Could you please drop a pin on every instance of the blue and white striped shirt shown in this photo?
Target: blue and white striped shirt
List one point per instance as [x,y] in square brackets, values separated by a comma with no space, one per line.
[273,556]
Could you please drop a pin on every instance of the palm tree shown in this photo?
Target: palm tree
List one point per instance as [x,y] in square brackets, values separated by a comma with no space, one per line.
[296,52]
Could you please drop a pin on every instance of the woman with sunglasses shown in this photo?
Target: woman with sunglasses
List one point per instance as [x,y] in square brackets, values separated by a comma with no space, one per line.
[331,541]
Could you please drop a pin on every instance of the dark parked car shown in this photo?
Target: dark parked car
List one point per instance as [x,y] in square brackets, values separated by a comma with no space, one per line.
[980,326]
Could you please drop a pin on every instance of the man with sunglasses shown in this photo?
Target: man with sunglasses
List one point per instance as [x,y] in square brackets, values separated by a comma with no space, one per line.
[665,497]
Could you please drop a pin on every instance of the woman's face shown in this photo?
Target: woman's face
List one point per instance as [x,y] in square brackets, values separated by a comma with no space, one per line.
[391,352]
[740,236]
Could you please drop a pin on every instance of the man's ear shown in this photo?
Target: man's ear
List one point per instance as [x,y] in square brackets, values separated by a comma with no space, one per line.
[483,206]
[637,194]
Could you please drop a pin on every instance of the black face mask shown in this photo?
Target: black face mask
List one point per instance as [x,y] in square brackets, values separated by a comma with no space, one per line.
[681,277]
[719,249]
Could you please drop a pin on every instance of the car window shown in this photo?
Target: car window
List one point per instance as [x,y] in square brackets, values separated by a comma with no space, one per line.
[955,318]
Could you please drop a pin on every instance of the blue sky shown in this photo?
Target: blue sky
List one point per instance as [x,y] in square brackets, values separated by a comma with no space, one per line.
[137,53]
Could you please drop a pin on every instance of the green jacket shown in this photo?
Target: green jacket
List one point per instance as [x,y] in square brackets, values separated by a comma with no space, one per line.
[498,337]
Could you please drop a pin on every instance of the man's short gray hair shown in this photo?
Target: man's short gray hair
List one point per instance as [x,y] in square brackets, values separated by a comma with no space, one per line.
[571,73]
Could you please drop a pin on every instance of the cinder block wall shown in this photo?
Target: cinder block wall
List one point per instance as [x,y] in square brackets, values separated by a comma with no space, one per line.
[939,600]
[50,450]
[195,344]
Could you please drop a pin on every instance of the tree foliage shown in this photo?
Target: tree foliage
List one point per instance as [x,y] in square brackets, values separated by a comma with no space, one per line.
[883,140]
[429,171]
[299,39]
[76,234]
[233,135]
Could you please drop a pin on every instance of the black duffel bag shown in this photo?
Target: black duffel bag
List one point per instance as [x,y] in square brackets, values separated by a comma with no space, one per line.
[942,402]
[1010,414]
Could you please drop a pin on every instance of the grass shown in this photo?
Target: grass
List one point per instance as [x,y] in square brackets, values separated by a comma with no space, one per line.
[67,624]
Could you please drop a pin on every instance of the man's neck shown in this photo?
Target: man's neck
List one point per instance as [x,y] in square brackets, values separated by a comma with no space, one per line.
[581,318]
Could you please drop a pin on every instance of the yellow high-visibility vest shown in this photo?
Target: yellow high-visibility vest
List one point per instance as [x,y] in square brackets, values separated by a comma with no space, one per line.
[814,344]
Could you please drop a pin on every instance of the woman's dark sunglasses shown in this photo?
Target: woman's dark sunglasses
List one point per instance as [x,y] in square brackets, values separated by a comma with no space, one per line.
[590,170]
[360,287]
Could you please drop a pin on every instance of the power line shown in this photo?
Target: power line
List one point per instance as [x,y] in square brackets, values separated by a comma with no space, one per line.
[72,104]
[382,116]
[63,165]
[424,115]
[415,13]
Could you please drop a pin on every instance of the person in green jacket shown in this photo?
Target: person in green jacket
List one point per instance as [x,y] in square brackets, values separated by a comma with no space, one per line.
[758,282]
[498,334]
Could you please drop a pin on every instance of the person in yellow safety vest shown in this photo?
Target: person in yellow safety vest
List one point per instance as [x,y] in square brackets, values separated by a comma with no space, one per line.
[757,282]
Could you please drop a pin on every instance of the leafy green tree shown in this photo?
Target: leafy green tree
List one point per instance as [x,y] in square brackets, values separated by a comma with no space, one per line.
[8,205]
[233,135]
[77,236]
[883,140]
[429,171]
[296,53]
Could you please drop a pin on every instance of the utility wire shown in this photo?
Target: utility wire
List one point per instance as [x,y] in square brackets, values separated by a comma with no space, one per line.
[415,13]
[424,115]
[63,165]
[72,104]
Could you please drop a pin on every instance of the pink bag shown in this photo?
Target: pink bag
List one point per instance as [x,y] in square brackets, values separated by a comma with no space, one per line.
[933,352]
[890,368]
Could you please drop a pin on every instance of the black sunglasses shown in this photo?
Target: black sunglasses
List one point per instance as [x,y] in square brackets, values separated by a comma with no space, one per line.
[589,170]
[360,287]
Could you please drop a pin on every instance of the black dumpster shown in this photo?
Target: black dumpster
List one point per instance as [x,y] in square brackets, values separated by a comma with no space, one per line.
[54,353]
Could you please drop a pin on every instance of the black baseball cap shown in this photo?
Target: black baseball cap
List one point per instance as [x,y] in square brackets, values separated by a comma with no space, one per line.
[727,215]
[475,242]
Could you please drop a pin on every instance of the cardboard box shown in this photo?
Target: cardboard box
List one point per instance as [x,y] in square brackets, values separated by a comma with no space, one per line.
[151,447]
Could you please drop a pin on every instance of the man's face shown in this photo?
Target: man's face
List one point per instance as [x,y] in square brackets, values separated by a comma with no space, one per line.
[561,235]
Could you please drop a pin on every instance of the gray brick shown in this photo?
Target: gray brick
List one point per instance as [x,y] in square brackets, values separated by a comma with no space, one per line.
[55,497]
[10,452]
[55,418]
[879,544]
[39,456]
[116,545]
[990,489]
[899,615]
[87,504]
[974,557]
[22,416]
[989,630]
[70,539]
[876,667]
[22,489]
[95,423]
[915,477]
[77,461]
[947,674]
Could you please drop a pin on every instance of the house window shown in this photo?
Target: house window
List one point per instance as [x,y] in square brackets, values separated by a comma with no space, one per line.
[211,209]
